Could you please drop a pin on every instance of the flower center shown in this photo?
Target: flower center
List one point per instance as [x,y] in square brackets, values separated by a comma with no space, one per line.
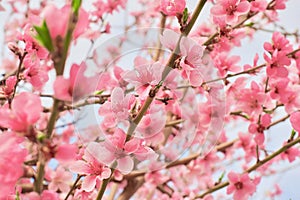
[238,185]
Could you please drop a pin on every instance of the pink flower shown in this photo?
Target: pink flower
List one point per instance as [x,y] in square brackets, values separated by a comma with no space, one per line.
[36,74]
[241,185]
[251,99]
[25,112]
[191,55]
[291,154]
[259,5]
[57,27]
[92,168]
[152,123]
[191,60]
[8,89]
[115,150]
[144,75]
[12,156]
[258,129]
[224,63]
[117,109]
[172,7]
[60,180]
[76,86]
[277,58]
[295,121]
[66,153]
[230,9]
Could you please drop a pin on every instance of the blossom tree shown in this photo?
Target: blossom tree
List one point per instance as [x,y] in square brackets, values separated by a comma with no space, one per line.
[164,106]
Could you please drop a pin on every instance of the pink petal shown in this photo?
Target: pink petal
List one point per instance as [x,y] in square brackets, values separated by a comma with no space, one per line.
[295,121]
[102,154]
[62,89]
[218,10]
[233,177]
[66,152]
[27,107]
[243,7]
[169,39]
[132,145]
[195,78]
[57,27]
[89,183]
[125,165]
[80,167]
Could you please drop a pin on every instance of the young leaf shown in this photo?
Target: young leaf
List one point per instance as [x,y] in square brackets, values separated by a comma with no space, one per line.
[43,36]
[75,6]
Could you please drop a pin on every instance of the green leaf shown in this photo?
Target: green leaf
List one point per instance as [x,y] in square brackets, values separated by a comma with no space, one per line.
[17,196]
[75,6]
[185,16]
[98,92]
[43,36]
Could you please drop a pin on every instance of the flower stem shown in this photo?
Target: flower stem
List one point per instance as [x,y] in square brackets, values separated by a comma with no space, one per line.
[104,184]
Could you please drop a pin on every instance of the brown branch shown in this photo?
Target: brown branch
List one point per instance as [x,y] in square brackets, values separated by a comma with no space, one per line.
[254,167]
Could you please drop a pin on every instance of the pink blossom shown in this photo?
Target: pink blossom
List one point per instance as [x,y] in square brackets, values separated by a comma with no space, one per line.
[60,179]
[57,27]
[144,75]
[258,5]
[8,89]
[191,55]
[152,123]
[291,154]
[115,150]
[241,185]
[172,7]
[36,74]
[251,99]
[191,60]
[169,38]
[12,156]
[280,4]
[76,86]
[230,9]
[295,121]
[258,129]
[66,153]
[277,57]
[224,63]
[117,109]
[92,168]
[25,112]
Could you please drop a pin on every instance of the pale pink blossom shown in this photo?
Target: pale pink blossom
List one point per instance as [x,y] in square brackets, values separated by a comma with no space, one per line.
[290,154]
[259,128]
[241,185]
[76,86]
[172,7]
[191,60]
[191,55]
[230,9]
[259,5]
[57,27]
[117,109]
[12,156]
[24,113]
[60,179]
[295,121]
[116,151]
[8,89]
[92,169]
[144,76]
